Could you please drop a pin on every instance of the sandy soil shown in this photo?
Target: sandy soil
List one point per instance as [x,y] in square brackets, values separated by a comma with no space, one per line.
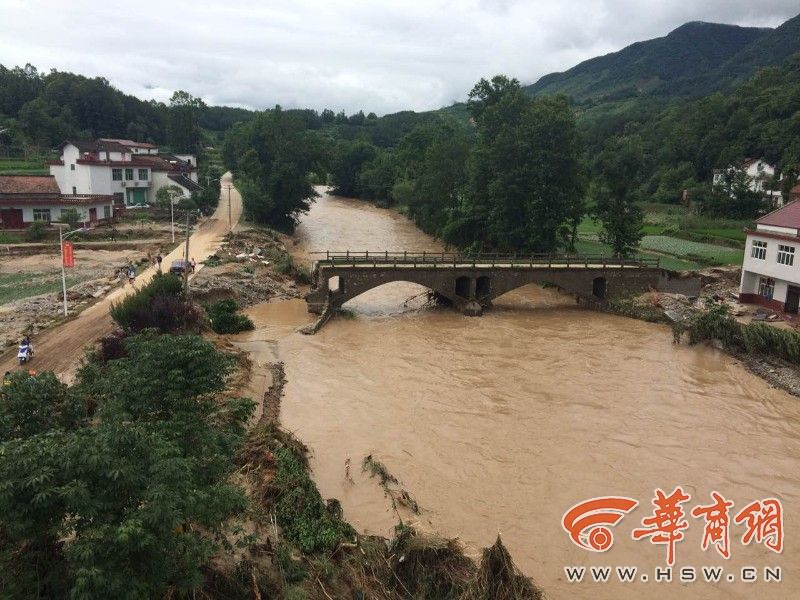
[61,348]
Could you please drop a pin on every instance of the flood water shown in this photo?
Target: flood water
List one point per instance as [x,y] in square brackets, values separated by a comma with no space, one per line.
[499,424]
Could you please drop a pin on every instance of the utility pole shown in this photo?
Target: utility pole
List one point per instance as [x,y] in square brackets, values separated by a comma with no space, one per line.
[61,238]
[186,256]
[63,272]
[230,221]
[172,217]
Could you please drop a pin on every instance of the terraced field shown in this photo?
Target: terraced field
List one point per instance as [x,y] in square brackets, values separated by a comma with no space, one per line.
[688,250]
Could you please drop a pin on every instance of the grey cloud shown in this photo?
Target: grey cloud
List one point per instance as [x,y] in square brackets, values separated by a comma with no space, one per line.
[381,56]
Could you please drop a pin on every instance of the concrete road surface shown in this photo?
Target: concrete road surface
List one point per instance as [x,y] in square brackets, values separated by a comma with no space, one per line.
[60,349]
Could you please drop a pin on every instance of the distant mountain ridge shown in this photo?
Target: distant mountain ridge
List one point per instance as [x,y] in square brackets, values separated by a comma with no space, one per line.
[697,58]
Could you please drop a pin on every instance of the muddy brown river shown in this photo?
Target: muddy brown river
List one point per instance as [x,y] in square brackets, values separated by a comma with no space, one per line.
[499,424]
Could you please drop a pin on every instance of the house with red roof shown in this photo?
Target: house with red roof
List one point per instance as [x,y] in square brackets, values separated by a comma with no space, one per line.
[26,199]
[132,172]
[771,267]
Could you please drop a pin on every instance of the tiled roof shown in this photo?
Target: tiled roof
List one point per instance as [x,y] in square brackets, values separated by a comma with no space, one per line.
[185,182]
[28,184]
[787,216]
[54,200]
[130,143]
[93,146]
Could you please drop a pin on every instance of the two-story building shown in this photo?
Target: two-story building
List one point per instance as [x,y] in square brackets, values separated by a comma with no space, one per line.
[26,199]
[771,267]
[132,172]
[761,174]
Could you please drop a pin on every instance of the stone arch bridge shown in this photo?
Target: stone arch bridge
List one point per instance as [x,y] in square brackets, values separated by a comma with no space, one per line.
[471,283]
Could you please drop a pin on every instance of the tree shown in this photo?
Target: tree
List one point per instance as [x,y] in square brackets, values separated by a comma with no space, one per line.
[618,169]
[377,177]
[524,172]
[184,128]
[169,194]
[349,158]
[132,502]
[276,152]
[733,197]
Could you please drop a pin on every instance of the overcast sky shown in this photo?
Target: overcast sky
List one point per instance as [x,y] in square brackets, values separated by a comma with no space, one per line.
[378,55]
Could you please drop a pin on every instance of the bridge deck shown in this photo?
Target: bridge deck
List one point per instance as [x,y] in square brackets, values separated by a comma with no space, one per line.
[444,260]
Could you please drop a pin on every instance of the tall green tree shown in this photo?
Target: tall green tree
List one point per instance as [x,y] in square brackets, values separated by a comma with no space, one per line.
[272,157]
[525,170]
[184,122]
[617,174]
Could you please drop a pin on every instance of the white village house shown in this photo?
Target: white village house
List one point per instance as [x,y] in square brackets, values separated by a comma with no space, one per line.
[771,268]
[761,175]
[26,199]
[130,171]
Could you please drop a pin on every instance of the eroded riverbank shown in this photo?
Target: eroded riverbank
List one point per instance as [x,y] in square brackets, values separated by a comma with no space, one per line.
[502,423]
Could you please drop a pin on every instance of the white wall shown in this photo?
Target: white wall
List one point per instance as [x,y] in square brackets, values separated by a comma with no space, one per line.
[769,267]
[159,180]
[55,210]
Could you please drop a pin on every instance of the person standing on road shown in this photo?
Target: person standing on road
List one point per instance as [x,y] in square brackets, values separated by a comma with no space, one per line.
[192,265]
[159,258]
[132,274]
[113,233]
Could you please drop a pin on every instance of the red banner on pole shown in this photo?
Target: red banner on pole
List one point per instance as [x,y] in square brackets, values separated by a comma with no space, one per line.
[69,255]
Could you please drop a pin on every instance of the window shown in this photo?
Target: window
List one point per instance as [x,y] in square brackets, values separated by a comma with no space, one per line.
[119,198]
[766,287]
[142,174]
[128,174]
[759,250]
[116,174]
[106,212]
[41,214]
[785,255]
[72,167]
[74,191]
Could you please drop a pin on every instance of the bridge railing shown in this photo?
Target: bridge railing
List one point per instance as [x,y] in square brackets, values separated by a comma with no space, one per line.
[453,260]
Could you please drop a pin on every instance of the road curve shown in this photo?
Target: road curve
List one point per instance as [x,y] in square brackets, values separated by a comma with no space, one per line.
[60,349]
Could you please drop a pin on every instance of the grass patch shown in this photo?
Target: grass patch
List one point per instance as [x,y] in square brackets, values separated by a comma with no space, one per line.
[693,251]
[17,286]
[666,262]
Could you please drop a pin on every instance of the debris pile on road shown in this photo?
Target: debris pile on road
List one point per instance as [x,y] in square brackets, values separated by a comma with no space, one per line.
[251,266]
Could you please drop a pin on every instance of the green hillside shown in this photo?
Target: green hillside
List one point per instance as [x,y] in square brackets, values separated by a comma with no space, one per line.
[696,59]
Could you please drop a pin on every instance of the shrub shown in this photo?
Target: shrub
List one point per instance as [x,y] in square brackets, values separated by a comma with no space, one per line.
[224,318]
[716,324]
[161,304]
[766,339]
[36,232]
[300,510]
[112,346]
[71,217]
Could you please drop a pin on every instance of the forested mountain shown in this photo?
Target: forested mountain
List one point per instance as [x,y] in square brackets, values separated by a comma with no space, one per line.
[39,110]
[770,50]
[693,60]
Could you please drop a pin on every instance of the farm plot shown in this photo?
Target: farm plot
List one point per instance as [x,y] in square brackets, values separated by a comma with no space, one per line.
[693,251]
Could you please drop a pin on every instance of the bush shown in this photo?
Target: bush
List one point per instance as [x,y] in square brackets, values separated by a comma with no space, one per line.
[36,232]
[301,513]
[766,339]
[716,324]
[755,338]
[161,304]
[224,319]
[71,217]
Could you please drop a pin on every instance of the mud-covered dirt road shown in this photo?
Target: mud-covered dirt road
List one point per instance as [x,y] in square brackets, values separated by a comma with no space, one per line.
[61,348]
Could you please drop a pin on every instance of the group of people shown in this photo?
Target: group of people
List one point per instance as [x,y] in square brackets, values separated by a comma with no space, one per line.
[129,271]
